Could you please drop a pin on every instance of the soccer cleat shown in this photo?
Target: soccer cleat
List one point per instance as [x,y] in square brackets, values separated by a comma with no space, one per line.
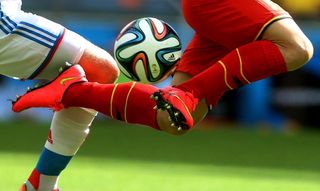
[179,105]
[50,94]
[24,188]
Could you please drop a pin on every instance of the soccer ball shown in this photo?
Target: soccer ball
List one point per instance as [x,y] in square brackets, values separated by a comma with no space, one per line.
[147,50]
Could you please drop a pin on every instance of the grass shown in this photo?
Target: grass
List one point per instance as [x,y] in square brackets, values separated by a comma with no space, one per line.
[119,157]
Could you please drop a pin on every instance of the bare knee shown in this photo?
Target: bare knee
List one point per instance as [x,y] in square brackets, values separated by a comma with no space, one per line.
[295,47]
[297,53]
[99,65]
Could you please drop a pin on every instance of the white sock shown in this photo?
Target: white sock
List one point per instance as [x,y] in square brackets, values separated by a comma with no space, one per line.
[69,129]
[51,180]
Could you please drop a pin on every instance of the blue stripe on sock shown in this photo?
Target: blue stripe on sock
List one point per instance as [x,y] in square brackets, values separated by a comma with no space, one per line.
[51,163]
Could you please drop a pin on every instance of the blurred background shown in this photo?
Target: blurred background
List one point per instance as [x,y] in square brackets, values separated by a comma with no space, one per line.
[293,98]
[264,136]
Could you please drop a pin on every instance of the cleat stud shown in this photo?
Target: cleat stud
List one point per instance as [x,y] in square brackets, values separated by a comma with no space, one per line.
[152,96]
[155,107]
[173,125]
[60,69]
[179,128]
[170,119]
[176,113]
[168,106]
[17,96]
[12,101]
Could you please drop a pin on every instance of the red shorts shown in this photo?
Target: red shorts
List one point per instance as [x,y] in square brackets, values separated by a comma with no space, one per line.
[221,26]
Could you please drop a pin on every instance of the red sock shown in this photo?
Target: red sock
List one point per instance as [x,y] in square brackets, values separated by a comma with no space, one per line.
[34,179]
[242,66]
[129,102]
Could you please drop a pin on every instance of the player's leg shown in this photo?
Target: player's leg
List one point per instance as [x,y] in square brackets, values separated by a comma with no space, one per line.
[270,44]
[282,47]
[294,46]
[69,127]
[129,102]
[66,135]
[28,47]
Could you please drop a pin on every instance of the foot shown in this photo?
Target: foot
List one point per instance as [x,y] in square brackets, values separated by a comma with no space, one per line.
[25,188]
[50,94]
[179,105]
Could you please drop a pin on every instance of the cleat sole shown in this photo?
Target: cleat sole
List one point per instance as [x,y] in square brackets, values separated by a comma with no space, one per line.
[175,116]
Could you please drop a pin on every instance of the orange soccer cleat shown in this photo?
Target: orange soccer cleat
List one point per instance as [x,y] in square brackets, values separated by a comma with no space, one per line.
[179,105]
[50,94]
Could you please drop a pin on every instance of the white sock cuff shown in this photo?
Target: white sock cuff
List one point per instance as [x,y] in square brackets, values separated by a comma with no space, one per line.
[69,129]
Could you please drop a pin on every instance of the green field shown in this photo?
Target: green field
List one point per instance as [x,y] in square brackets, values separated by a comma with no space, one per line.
[118,157]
